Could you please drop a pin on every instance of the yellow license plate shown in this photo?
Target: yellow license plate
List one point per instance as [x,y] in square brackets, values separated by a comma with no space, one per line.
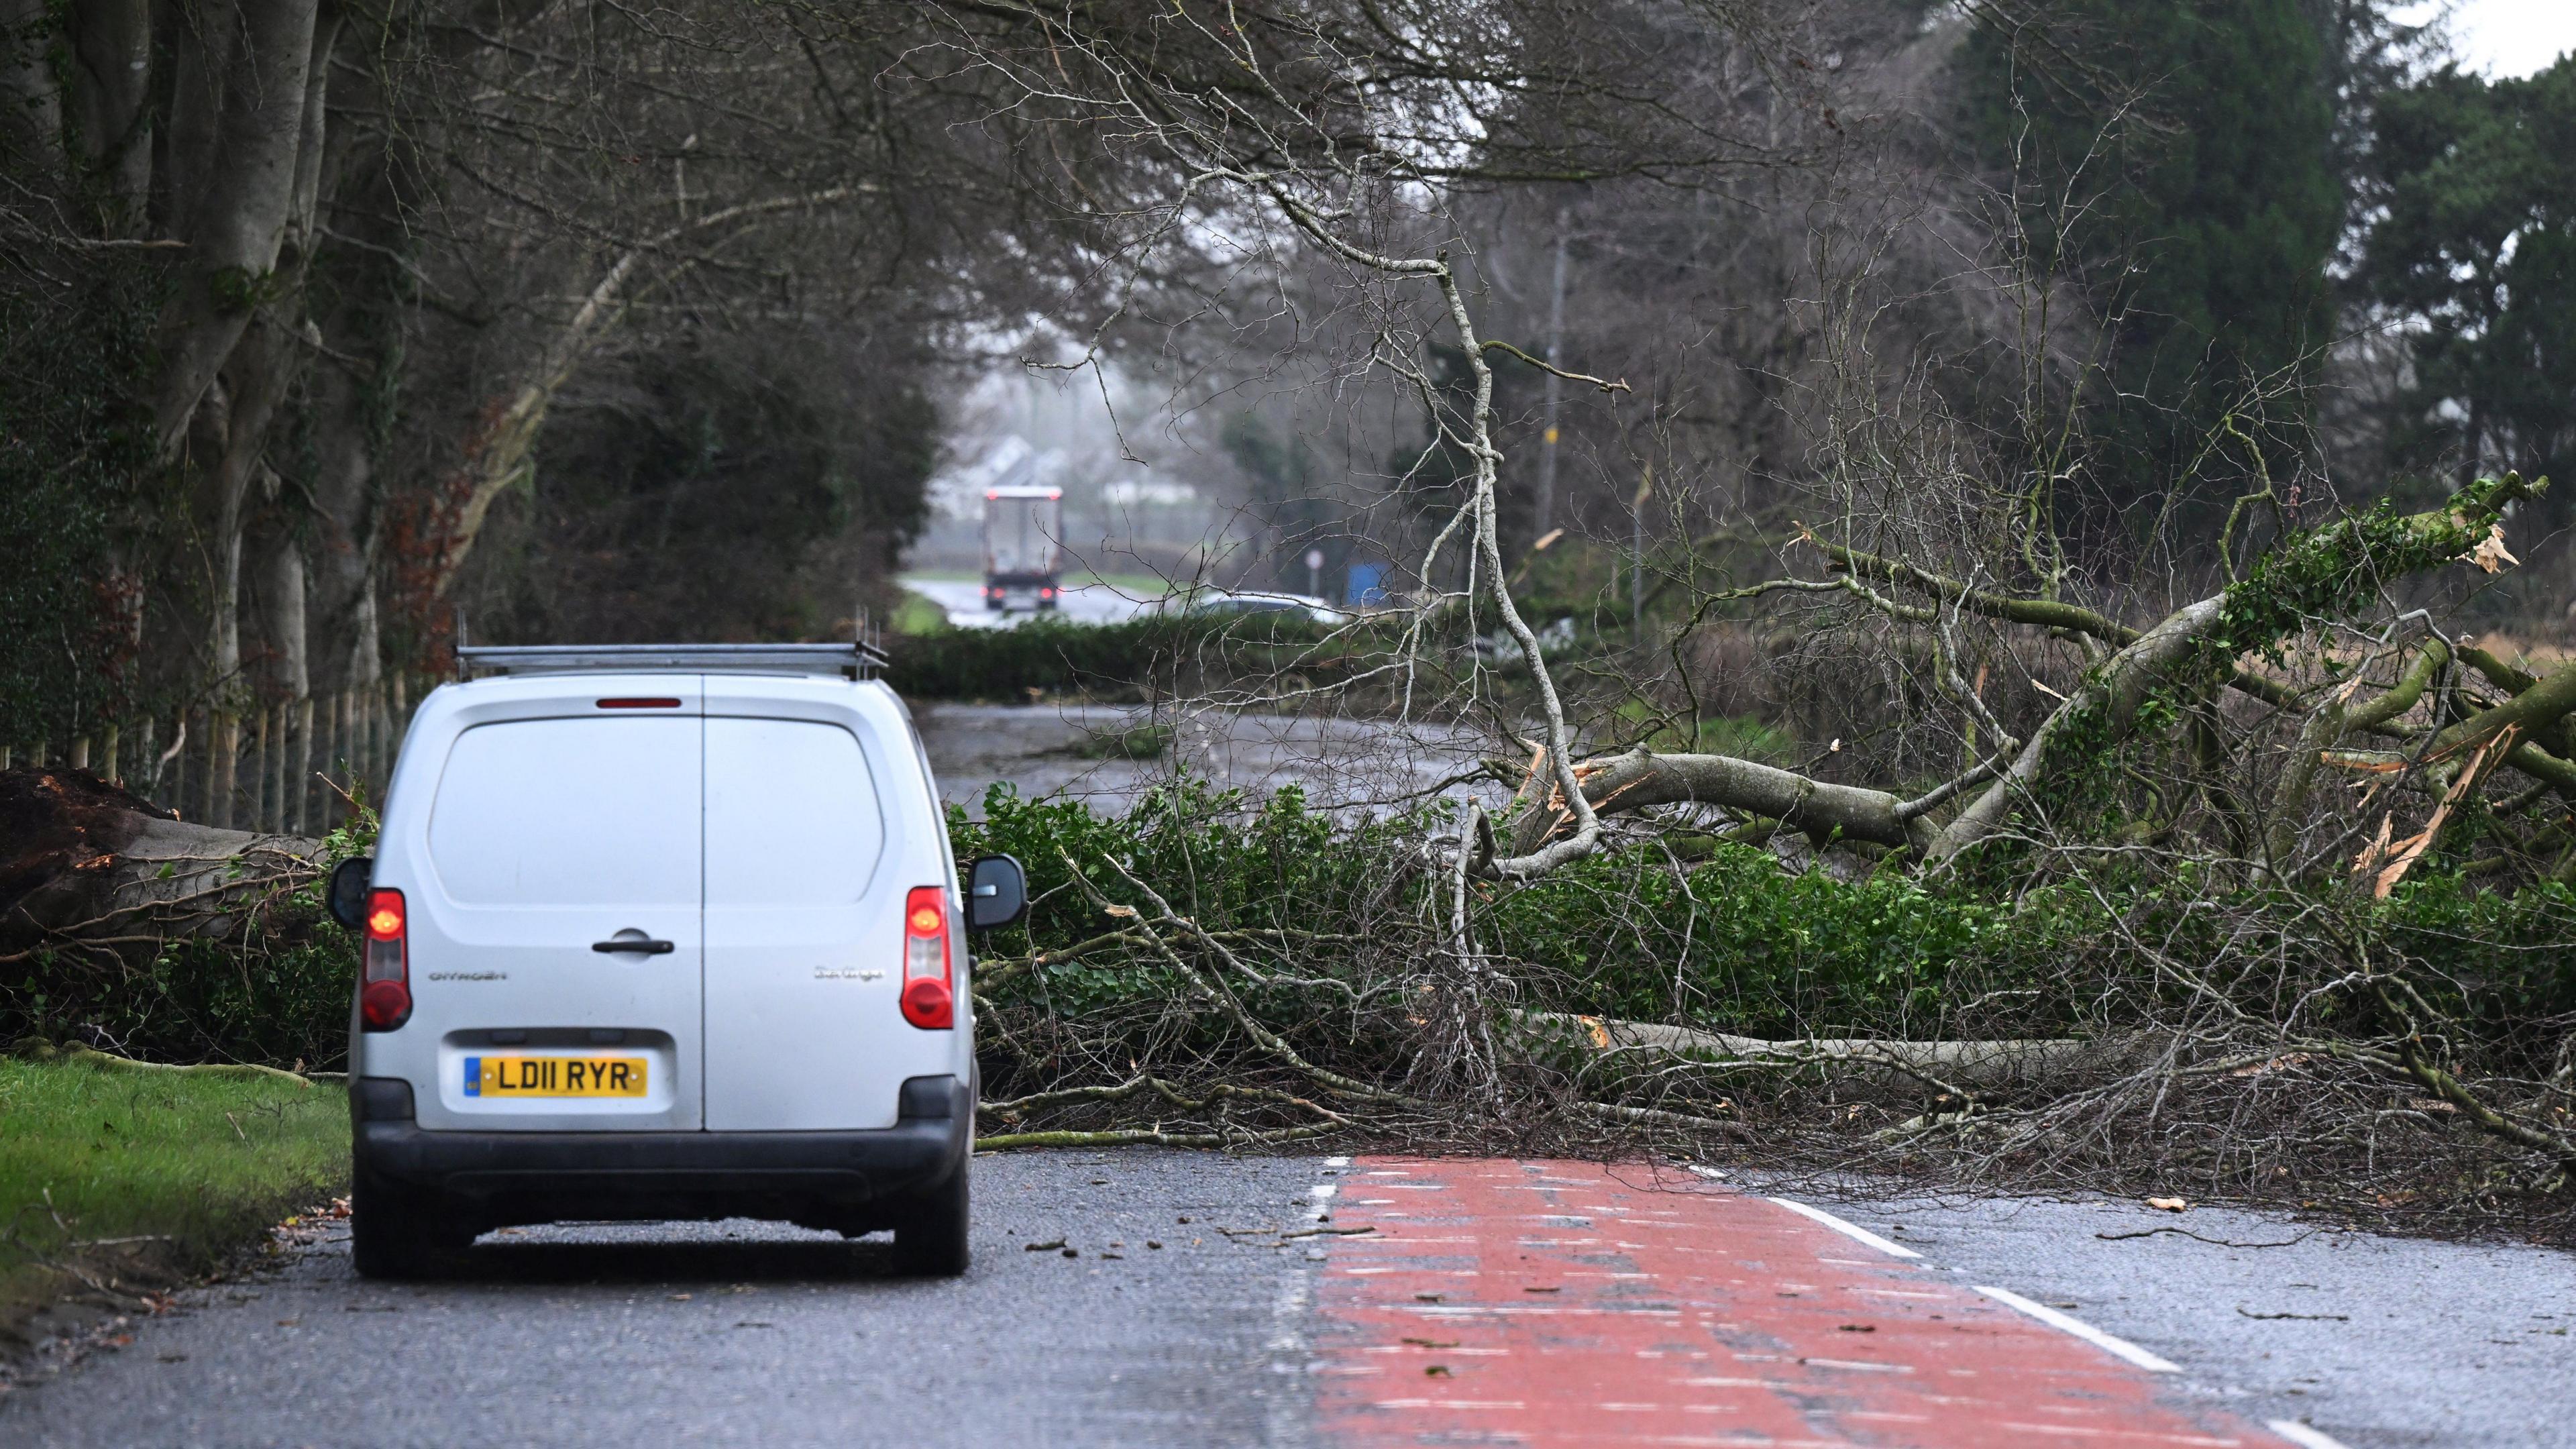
[554,1076]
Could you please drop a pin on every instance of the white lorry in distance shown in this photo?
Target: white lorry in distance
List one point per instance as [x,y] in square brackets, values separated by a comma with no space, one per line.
[1023,548]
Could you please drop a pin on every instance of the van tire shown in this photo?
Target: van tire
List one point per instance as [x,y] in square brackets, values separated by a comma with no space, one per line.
[931,1230]
[394,1235]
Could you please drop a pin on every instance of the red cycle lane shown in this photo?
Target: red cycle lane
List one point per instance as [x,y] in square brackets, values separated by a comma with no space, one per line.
[1496,1302]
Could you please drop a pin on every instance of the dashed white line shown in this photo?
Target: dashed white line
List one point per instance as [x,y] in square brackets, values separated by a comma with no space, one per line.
[2117,1347]
[2290,1429]
[1337,1162]
[1852,1231]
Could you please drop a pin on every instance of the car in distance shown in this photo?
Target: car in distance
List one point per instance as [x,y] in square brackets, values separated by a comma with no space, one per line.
[657,932]
[1209,601]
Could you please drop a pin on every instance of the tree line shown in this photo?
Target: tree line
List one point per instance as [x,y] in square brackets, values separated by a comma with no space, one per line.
[321,319]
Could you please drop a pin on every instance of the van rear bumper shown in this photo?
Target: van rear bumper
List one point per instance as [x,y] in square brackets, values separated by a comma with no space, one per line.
[822,1179]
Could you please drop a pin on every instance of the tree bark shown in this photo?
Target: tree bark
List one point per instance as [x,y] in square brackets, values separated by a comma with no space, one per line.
[31,106]
[164,881]
[286,621]
[109,110]
[1984,1065]
[237,127]
[2533,711]
[255,379]
[1641,778]
[2327,728]
[2110,695]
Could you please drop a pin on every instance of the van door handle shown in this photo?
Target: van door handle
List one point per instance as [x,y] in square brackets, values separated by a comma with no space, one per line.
[643,944]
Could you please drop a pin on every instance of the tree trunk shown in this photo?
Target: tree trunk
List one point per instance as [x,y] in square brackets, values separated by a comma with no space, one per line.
[31,108]
[1981,1065]
[111,87]
[286,621]
[2110,697]
[237,127]
[1640,779]
[255,379]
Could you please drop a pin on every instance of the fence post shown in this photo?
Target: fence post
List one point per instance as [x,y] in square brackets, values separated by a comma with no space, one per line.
[397,724]
[302,794]
[208,758]
[178,796]
[80,752]
[109,767]
[272,744]
[272,773]
[285,718]
[370,713]
[323,728]
[226,816]
[333,807]
[373,701]
[255,817]
[358,742]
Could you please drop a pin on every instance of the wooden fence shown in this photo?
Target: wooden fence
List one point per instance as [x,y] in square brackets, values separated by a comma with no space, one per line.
[287,767]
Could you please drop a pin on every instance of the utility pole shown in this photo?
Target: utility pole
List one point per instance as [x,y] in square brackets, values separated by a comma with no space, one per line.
[1555,386]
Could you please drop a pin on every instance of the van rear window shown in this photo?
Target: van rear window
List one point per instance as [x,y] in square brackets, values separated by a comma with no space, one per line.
[792,814]
[570,812]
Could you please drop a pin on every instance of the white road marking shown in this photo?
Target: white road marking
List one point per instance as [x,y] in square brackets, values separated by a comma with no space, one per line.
[1287,1313]
[2303,1436]
[1321,1190]
[2117,1347]
[1291,1355]
[1849,1230]
[1337,1162]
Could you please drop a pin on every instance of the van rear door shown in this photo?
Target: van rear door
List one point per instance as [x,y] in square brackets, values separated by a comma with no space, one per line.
[547,838]
[804,1026]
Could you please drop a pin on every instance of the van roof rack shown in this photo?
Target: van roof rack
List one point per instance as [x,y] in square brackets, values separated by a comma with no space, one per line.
[851,659]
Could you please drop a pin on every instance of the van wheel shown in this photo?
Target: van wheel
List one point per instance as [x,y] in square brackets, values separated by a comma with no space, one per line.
[930,1233]
[395,1235]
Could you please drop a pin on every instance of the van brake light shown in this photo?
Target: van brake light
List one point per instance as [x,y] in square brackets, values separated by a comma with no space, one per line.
[929,991]
[384,990]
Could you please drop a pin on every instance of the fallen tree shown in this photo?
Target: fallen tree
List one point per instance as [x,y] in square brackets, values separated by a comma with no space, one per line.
[1947,1066]
[96,873]
[2326,573]
[124,929]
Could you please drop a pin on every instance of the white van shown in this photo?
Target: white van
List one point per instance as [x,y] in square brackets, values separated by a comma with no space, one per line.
[663,932]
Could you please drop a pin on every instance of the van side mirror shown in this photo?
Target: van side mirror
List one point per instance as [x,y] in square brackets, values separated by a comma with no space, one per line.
[348,894]
[997,893]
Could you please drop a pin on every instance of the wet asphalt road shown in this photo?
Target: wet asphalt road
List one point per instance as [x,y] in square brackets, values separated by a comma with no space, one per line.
[744,1333]
[2381,1342]
[751,1333]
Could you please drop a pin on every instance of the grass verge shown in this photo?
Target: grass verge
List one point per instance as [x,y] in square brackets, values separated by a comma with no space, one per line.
[118,1178]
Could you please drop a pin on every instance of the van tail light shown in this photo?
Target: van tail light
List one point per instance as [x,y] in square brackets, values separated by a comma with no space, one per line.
[384,989]
[929,991]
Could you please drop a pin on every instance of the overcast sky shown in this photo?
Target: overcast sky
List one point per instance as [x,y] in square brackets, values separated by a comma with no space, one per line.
[2514,37]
